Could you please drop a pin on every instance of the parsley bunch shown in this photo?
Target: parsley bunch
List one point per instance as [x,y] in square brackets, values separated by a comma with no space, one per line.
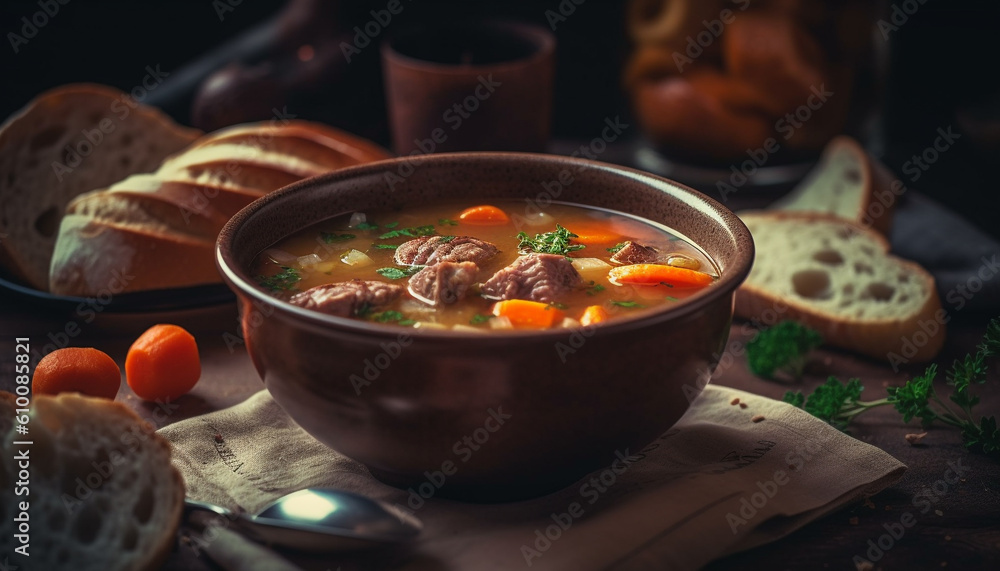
[781,349]
[838,403]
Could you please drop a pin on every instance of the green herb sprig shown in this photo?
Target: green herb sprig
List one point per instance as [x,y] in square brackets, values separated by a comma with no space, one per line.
[782,348]
[282,281]
[555,242]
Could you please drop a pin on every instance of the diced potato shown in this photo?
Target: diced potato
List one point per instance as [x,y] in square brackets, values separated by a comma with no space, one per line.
[591,268]
[570,323]
[429,325]
[501,323]
[356,258]
[463,327]
[682,261]
[356,219]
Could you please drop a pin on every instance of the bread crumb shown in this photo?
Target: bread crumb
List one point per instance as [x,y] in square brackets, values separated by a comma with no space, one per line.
[735,401]
[853,520]
[938,512]
[915,438]
[864,566]
[743,405]
[757,418]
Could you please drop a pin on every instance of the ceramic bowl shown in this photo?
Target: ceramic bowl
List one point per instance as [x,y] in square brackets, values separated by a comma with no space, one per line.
[487,417]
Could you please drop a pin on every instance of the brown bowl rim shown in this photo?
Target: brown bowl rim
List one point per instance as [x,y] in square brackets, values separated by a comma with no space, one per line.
[242,284]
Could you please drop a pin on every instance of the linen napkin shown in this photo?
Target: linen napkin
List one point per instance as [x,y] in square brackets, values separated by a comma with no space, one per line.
[738,470]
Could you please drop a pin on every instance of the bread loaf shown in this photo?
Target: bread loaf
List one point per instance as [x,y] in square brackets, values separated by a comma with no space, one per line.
[67,141]
[103,492]
[158,231]
[839,278]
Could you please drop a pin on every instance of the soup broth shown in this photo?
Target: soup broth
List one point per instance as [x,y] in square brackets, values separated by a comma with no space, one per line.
[568,266]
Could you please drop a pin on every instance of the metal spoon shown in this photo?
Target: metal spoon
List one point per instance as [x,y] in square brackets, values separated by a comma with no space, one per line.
[322,520]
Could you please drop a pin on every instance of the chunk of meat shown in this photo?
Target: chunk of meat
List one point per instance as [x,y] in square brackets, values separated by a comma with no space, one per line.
[443,283]
[635,253]
[429,250]
[347,299]
[535,277]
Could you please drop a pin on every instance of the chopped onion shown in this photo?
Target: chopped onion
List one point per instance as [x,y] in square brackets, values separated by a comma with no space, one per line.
[502,322]
[309,260]
[357,218]
[429,325]
[280,256]
[464,327]
[539,219]
[570,323]
[356,258]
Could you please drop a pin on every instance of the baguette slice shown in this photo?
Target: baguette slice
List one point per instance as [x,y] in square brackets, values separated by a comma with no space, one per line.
[838,278]
[847,183]
[104,495]
[158,230]
[41,167]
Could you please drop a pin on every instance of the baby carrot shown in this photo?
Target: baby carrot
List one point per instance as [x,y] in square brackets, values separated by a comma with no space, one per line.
[163,363]
[77,369]
[654,274]
[484,215]
[593,314]
[528,314]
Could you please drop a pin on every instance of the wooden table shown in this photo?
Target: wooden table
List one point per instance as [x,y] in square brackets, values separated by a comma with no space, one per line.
[961,529]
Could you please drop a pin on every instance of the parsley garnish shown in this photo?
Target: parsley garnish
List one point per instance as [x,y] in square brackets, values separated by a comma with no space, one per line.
[555,242]
[479,319]
[391,225]
[595,289]
[671,298]
[838,403]
[616,248]
[385,246]
[781,348]
[426,230]
[330,237]
[447,222]
[444,239]
[629,304]
[397,273]
[367,226]
[387,316]
[558,305]
[283,280]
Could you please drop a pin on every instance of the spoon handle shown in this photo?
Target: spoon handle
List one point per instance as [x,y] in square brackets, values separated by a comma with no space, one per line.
[194,505]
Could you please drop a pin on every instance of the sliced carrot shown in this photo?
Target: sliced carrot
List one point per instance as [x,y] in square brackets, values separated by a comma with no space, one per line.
[528,314]
[484,215]
[163,363]
[654,274]
[594,235]
[77,369]
[593,314]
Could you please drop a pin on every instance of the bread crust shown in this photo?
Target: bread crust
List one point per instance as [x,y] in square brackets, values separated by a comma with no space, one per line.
[882,339]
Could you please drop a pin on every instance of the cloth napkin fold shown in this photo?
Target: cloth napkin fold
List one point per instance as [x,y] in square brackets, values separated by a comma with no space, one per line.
[725,478]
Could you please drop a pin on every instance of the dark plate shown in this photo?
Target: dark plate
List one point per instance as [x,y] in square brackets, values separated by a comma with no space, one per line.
[133,302]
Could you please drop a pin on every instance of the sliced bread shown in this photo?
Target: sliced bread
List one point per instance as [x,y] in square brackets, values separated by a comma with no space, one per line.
[158,230]
[847,183]
[839,278]
[103,492]
[67,141]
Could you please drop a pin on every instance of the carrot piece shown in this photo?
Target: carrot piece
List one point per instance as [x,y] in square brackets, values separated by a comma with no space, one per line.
[528,314]
[593,315]
[594,235]
[654,274]
[83,370]
[484,215]
[163,363]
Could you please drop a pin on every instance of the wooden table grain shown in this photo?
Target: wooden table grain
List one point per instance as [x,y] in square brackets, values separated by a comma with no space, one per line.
[956,525]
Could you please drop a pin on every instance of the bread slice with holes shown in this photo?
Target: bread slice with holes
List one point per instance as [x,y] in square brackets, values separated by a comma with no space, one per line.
[104,495]
[839,278]
[847,183]
[65,142]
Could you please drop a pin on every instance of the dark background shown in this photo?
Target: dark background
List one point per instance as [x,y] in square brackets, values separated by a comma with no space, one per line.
[941,71]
